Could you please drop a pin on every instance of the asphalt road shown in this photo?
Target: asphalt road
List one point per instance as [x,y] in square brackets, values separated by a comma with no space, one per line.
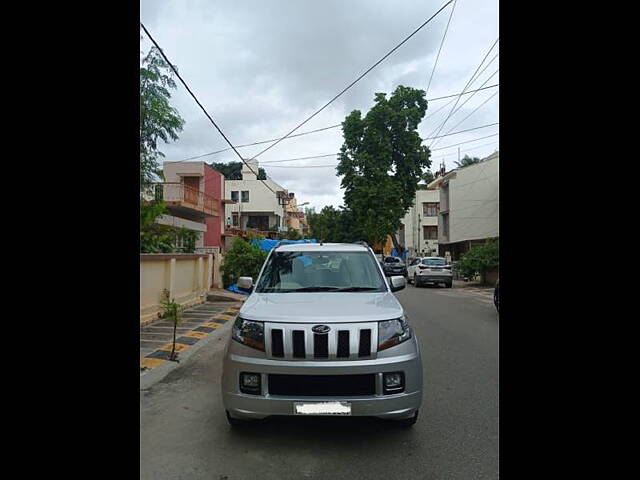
[184,432]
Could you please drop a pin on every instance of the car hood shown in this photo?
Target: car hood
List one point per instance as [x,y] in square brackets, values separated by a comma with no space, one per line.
[321,307]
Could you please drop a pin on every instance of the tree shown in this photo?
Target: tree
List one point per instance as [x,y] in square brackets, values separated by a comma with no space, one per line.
[334,225]
[382,160]
[158,119]
[172,311]
[466,161]
[480,260]
[427,177]
[242,259]
[233,170]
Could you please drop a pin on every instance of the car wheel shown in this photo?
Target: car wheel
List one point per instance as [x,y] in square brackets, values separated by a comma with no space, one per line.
[408,422]
[450,284]
[415,281]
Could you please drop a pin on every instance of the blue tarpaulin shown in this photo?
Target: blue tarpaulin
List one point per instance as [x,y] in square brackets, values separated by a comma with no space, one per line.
[268,244]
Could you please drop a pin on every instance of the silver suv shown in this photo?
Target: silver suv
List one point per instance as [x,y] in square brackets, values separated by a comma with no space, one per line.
[322,334]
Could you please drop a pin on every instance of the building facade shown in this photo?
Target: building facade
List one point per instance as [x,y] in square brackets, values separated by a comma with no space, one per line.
[469,206]
[254,205]
[419,230]
[191,191]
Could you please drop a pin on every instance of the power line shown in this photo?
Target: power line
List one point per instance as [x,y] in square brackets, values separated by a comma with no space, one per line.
[266,162]
[356,80]
[462,143]
[465,88]
[199,104]
[474,111]
[441,43]
[331,126]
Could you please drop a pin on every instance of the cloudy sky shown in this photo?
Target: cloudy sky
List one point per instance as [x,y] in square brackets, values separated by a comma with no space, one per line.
[262,67]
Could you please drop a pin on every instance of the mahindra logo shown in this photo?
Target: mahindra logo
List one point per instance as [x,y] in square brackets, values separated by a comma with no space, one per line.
[321,329]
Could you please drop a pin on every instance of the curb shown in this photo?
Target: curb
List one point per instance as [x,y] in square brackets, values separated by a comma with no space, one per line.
[150,377]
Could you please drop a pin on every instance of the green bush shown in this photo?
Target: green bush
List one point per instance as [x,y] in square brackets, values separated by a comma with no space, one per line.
[241,260]
[479,260]
[157,238]
[293,234]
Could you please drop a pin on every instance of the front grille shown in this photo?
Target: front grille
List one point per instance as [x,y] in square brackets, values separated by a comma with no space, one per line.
[321,385]
[296,341]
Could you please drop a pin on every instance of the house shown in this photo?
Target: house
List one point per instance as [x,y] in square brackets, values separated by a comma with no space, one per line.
[419,230]
[254,204]
[193,194]
[295,218]
[469,206]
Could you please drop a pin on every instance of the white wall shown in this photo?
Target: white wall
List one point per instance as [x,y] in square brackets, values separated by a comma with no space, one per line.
[411,226]
[474,197]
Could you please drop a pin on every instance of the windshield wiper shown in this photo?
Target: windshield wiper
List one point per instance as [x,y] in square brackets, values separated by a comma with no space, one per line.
[315,289]
[356,289]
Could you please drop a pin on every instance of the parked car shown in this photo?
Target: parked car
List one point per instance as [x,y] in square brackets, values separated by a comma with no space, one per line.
[496,295]
[394,266]
[322,334]
[430,270]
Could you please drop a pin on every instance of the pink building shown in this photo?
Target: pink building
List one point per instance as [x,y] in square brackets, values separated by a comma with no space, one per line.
[193,192]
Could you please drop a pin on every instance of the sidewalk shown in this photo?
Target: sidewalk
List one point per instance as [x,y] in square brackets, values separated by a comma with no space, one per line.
[472,285]
[156,339]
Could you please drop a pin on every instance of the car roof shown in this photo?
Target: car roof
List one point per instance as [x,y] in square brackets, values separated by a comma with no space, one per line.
[439,258]
[324,247]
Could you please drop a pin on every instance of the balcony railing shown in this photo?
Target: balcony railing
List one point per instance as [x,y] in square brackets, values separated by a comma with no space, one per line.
[182,196]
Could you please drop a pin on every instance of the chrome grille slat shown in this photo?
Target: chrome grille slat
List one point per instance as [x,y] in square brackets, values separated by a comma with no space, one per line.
[353,330]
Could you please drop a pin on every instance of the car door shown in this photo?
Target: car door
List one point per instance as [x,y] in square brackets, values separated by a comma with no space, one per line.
[412,267]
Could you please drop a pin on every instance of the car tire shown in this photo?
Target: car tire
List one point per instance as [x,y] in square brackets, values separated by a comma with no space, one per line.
[408,422]
[416,283]
[449,284]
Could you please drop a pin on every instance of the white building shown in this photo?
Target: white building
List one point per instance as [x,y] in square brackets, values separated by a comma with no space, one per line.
[469,206]
[419,230]
[255,206]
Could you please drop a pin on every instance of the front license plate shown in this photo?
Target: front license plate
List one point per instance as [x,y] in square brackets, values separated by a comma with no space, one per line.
[322,408]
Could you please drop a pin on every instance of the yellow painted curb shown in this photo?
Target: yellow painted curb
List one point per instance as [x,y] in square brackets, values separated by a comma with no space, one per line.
[151,362]
[224,317]
[195,334]
[211,324]
[180,347]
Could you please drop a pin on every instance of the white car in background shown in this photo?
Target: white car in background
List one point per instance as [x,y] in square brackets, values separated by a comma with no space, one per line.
[423,270]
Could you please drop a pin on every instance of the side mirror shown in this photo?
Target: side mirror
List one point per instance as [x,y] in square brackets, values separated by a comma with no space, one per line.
[245,283]
[397,283]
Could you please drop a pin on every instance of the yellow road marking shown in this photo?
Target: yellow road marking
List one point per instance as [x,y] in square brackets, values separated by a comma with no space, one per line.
[211,324]
[224,317]
[180,347]
[151,362]
[195,334]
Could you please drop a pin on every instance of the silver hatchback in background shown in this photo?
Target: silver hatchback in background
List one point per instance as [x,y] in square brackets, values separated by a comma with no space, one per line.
[322,334]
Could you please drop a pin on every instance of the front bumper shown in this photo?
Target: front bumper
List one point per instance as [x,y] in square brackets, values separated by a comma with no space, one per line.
[391,406]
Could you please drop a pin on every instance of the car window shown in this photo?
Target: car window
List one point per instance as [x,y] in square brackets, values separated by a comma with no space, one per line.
[391,260]
[291,271]
[434,261]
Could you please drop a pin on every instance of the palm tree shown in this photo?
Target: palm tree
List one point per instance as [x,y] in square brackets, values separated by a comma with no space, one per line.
[466,161]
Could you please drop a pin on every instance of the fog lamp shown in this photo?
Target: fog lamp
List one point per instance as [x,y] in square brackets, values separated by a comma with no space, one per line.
[250,383]
[393,382]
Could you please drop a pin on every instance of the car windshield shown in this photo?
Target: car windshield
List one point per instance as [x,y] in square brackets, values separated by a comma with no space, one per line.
[434,261]
[320,272]
[391,260]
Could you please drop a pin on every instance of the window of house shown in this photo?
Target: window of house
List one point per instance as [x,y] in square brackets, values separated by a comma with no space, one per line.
[430,232]
[236,219]
[234,196]
[430,209]
[245,196]
[445,226]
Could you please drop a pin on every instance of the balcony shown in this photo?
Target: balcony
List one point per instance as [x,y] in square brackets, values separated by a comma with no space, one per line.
[183,199]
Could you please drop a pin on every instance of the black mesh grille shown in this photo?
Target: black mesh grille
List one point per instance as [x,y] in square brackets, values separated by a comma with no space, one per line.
[343,344]
[365,343]
[277,347]
[298,344]
[321,346]
[322,385]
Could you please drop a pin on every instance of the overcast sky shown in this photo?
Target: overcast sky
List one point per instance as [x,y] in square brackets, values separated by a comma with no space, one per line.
[262,67]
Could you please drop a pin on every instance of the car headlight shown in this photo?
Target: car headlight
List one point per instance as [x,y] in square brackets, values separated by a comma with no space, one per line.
[393,332]
[249,333]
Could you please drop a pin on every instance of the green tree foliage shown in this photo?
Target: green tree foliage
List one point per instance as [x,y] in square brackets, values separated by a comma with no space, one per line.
[293,234]
[480,260]
[334,225]
[233,170]
[382,160]
[158,119]
[427,177]
[241,260]
[156,238]
[172,311]
[466,161]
